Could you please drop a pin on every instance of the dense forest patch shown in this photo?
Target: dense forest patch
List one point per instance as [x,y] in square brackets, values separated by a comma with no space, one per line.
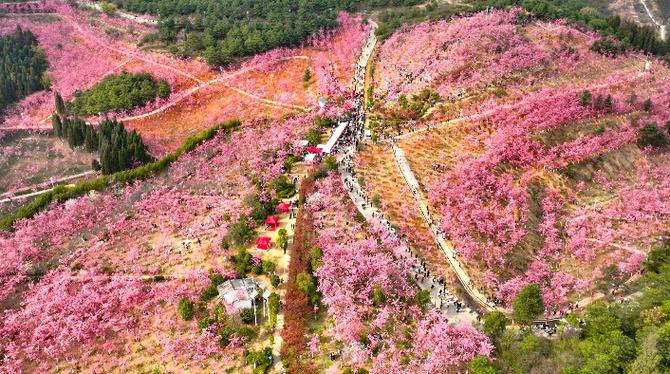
[225,30]
[23,67]
[125,91]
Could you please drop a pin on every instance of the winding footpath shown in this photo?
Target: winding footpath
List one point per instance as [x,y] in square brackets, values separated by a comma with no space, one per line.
[9,198]
[440,298]
[660,25]
[132,55]
[422,203]
[446,248]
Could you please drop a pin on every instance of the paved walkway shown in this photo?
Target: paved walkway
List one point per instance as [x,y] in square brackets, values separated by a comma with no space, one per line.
[8,196]
[446,248]
[422,202]
[441,299]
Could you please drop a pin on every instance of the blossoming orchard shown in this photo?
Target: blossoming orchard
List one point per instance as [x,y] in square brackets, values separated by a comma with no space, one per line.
[334,186]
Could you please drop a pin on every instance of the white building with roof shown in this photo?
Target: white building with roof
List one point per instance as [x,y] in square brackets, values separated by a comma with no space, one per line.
[240,294]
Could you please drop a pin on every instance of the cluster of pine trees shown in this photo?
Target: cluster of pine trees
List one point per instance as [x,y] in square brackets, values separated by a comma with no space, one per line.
[124,91]
[118,148]
[23,67]
[225,30]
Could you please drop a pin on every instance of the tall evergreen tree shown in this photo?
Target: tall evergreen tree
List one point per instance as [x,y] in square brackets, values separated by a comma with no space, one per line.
[60,104]
[56,124]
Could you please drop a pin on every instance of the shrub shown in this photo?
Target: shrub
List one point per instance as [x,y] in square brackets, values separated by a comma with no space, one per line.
[283,187]
[585,98]
[186,309]
[268,266]
[481,365]
[209,293]
[651,135]
[647,105]
[608,47]
[306,284]
[262,360]
[330,163]
[225,333]
[422,298]
[315,256]
[275,280]
[314,137]
[247,315]
[306,77]
[217,278]
[282,238]
[205,322]
[324,122]
[494,324]
[528,304]
[163,89]
[248,332]
[239,233]
[273,306]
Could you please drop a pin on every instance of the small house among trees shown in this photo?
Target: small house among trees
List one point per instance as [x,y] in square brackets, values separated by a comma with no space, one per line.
[239,294]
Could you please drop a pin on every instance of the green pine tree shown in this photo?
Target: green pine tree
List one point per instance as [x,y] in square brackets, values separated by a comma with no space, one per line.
[56,124]
[60,104]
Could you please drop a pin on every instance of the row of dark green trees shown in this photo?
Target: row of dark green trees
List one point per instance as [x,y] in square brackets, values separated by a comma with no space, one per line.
[118,148]
[22,67]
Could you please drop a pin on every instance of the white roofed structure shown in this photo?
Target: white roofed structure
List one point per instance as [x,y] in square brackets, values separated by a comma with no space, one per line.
[238,294]
[335,137]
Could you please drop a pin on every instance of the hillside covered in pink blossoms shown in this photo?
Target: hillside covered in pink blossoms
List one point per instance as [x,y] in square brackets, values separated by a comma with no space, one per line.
[416,187]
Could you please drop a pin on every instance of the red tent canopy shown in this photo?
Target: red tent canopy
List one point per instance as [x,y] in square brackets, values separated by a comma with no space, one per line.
[283,207]
[263,242]
[273,221]
[314,149]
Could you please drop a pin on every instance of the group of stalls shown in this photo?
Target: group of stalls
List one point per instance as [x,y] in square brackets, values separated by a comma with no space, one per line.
[312,154]
[315,153]
[265,242]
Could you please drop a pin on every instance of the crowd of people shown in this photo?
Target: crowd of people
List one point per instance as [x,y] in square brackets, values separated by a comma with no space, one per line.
[345,148]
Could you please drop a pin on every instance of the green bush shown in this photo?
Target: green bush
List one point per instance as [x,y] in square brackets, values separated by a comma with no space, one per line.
[482,365]
[274,280]
[652,135]
[422,298]
[268,266]
[314,137]
[247,315]
[262,360]
[494,324]
[217,279]
[225,333]
[247,332]
[209,293]
[186,309]
[205,322]
[528,304]
[283,187]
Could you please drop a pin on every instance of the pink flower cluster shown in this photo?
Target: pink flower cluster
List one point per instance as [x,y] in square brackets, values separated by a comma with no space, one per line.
[485,199]
[463,53]
[358,259]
